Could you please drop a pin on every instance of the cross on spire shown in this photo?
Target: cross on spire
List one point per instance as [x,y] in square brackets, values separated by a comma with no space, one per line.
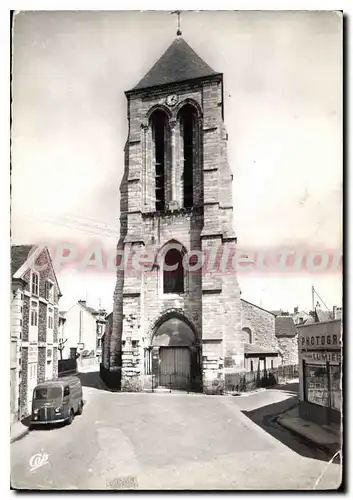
[177,12]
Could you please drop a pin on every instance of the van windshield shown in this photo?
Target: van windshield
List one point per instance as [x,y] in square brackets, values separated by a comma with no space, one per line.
[48,393]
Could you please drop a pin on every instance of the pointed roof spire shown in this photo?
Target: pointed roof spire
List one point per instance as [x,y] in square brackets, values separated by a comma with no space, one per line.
[179,63]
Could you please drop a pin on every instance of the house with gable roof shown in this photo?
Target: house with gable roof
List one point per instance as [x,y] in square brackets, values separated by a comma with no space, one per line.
[83,330]
[34,324]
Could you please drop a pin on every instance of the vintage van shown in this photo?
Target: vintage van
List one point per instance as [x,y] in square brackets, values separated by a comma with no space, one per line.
[56,401]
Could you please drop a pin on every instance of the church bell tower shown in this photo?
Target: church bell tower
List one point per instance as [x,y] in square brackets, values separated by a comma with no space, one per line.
[176,316]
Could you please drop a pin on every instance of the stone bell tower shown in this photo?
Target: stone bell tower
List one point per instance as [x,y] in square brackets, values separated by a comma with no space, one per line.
[176,318]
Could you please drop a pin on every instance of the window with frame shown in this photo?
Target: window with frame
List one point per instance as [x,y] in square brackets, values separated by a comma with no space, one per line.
[247,335]
[34,313]
[35,283]
[50,319]
[32,354]
[49,291]
[32,371]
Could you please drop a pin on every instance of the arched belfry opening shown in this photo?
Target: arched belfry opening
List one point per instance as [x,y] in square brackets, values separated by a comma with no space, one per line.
[160,155]
[189,149]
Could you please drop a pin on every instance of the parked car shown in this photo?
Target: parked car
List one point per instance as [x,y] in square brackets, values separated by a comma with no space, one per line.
[56,401]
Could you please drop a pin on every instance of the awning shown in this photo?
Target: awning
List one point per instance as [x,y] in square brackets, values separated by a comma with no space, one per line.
[254,350]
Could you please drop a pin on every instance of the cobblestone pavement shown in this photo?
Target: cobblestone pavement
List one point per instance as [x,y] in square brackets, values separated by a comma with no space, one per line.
[171,441]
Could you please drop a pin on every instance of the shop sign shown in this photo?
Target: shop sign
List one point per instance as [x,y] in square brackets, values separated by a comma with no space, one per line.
[318,338]
[321,357]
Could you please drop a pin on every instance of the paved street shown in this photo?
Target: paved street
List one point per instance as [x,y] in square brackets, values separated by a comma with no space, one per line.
[173,441]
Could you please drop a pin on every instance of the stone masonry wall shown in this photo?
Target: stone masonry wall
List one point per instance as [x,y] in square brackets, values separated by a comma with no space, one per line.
[25,318]
[288,348]
[261,324]
[23,383]
[55,362]
[41,364]
[42,322]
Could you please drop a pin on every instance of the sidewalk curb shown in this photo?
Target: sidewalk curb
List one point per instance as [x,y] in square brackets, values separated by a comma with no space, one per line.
[19,436]
[249,393]
[325,447]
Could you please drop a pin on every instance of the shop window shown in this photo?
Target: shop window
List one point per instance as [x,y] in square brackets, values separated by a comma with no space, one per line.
[316,385]
[336,390]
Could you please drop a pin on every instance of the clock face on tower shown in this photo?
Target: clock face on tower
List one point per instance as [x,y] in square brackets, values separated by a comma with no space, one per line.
[172,100]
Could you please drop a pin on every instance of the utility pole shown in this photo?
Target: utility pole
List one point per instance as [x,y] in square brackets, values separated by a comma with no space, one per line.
[312,298]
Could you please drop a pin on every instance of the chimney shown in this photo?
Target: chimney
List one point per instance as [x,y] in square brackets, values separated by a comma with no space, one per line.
[82,302]
[334,311]
[296,310]
[338,313]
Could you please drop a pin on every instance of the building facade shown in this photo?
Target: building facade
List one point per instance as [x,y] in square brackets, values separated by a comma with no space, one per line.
[82,329]
[34,324]
[180,326]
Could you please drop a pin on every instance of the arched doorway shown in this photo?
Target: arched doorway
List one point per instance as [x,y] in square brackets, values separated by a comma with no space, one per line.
[176,342]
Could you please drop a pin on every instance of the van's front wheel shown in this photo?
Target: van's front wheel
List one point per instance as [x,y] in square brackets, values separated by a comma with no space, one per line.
[71,417]
[80,408]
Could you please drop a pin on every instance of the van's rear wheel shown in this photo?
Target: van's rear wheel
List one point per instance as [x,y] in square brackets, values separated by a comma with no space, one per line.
[80,408]
[71,417]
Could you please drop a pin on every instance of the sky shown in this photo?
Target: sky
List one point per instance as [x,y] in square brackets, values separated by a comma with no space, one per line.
[283,114]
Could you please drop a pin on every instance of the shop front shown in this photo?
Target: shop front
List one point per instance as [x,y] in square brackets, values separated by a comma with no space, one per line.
[320,368]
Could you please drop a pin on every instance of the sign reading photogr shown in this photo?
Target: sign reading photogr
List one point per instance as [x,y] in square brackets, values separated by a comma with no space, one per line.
[320,336]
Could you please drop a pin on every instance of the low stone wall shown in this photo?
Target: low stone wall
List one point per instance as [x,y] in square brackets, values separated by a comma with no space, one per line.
[67,367]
